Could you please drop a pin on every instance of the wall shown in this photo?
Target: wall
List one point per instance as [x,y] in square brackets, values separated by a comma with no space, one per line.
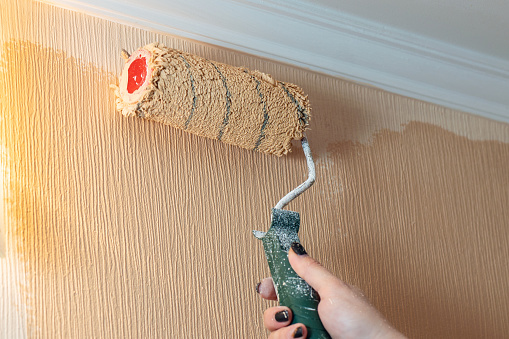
[126,228]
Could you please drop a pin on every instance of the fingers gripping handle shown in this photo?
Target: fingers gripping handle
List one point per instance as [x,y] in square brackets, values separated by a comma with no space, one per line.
[292,291]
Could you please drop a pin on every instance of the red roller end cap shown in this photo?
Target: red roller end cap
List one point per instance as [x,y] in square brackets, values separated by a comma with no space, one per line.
[137,74]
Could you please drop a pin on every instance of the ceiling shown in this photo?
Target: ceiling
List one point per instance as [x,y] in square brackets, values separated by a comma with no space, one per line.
[479,25]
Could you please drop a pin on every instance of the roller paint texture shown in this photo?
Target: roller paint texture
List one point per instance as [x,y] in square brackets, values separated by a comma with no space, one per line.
[240,107]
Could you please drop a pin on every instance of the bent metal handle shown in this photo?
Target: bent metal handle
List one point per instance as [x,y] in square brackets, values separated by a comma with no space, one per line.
[292,290]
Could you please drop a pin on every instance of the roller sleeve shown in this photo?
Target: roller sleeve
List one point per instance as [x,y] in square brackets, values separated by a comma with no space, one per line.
[240,107]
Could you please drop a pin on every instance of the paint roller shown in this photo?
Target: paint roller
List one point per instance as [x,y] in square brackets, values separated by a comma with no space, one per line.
[240,107]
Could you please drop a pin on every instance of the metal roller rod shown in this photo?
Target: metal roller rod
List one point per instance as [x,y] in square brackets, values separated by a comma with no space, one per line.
[306,184]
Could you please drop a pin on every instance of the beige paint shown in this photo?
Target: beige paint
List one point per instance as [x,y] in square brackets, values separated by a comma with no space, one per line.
[128,228]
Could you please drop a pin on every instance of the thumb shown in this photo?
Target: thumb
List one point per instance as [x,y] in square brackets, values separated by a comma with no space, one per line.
[311,270]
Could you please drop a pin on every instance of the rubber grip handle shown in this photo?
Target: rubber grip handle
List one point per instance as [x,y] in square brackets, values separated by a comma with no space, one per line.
[292,290]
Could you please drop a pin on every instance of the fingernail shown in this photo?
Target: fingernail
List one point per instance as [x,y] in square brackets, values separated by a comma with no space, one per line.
[299,332]
[298,249]
[257,288]
[282,316]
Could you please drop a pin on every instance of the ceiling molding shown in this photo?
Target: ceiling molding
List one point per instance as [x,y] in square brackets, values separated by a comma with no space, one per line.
[329,41]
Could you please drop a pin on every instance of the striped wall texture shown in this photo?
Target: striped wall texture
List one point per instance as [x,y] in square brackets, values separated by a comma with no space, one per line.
[127,228]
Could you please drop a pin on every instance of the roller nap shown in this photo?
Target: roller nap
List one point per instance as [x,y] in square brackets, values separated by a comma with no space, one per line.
[240,107]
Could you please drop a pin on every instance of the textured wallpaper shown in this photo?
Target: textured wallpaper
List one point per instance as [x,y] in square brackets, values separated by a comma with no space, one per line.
[120,227]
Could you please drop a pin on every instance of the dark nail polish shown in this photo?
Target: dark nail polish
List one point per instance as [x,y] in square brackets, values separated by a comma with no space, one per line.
[282,316]
[299,332]
[315,295]
[298,249]
[257,288]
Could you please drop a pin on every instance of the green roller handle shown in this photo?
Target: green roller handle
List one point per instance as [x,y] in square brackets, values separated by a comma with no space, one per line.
[292,290]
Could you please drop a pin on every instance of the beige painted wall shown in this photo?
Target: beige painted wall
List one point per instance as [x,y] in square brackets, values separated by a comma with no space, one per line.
[126,228]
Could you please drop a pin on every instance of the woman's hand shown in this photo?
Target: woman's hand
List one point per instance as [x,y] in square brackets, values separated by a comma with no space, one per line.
[343,309]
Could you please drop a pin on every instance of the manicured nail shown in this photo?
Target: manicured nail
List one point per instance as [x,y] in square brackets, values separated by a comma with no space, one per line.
[282,316]
[299,332]
[298,249]
[257,288]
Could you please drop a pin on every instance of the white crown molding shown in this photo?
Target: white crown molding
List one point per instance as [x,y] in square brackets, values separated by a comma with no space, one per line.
[304,34]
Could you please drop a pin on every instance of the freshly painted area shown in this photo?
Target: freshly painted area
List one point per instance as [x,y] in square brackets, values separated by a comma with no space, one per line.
[467,69]
[128,228]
